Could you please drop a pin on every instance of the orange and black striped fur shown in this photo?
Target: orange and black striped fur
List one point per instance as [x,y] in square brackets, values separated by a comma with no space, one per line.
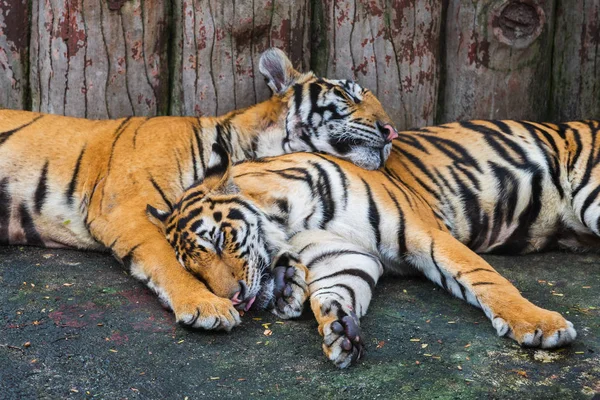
[67,182]
[445,193]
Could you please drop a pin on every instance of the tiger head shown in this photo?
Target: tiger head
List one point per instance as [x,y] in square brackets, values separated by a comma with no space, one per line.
[338,117]
[222,238]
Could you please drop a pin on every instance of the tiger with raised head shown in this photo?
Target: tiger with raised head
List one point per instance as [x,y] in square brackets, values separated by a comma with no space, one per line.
[68,182]
[446,192]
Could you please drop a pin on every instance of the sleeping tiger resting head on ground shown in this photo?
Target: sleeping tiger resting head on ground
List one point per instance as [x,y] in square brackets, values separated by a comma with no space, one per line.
[72,182]
[329,230]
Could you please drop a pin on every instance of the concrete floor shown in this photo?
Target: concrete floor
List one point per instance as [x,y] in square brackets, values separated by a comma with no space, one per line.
[74,325]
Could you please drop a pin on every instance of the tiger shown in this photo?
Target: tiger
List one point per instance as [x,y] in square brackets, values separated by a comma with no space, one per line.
[84,184]
[446,193]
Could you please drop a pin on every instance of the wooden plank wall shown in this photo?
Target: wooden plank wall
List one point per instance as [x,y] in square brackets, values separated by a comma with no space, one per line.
[429,61]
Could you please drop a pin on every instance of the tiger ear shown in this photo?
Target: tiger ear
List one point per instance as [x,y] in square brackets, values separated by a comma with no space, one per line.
[218,173]
[278,70]
[156,216]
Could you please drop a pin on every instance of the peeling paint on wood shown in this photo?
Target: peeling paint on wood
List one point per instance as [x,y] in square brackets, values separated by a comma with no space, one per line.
[576,72]
[498,59]
[218,45]
[14,47]
[91,60]
[390,47]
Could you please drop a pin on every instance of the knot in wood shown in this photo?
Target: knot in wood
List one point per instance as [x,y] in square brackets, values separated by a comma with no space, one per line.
[518,23]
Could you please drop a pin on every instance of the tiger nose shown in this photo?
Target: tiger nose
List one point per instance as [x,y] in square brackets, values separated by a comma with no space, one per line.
[387,130]
[240,299]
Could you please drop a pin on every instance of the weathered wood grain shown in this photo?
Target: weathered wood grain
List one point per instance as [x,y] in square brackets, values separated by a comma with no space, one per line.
[217,46]
[390,47]
[100,59]
[497,59]
[14,48]
[576,71]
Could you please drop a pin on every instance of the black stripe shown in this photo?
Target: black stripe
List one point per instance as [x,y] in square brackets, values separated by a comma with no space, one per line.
[113,243]
[127,259]
[190,216]
[552,162]
[328,292]
[137,131]
[314,91]
[469,175]
[478,221]
[358,273]
[508,197]
[283,205]
[577,152]
[456,152]
[589,165]
[340,285]
[221,141]
[422,168]
[248,206]
[520,237]
[199,143]
[73,183]
[409,139]
[5,211]
[463,291]
[118,132]
[4,136]
[298,89]
[41,190]
[395,180]
[482,283]
[401,226]
[442,276]
[459,274]
[343,177]
[31,234]
[324,195]
[373,214]
[589,200]
[179,172]
[287,173]
[335,253]
[194,168]
[162,194]
[499,142]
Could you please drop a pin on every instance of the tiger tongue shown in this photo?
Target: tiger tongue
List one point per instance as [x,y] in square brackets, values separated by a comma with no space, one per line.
[249,303]
[235,299]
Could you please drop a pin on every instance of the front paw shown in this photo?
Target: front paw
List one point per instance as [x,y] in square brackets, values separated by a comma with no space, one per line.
[206,312]
[290,288]
[535,327]
[342,340]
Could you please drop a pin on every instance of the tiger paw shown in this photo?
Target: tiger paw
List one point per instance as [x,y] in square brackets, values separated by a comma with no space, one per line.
[207,312]
[342,340]
[536,327]
[290,288]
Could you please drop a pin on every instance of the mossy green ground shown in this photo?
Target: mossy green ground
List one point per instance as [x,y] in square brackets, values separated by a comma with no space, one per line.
[95,332]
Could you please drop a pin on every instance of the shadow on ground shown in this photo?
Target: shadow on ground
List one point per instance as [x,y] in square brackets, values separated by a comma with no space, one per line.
[74,325]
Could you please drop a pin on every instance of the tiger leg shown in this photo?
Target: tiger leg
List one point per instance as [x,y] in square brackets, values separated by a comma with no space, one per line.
[289,285]
[452,265]
[341,280]
[144,249]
